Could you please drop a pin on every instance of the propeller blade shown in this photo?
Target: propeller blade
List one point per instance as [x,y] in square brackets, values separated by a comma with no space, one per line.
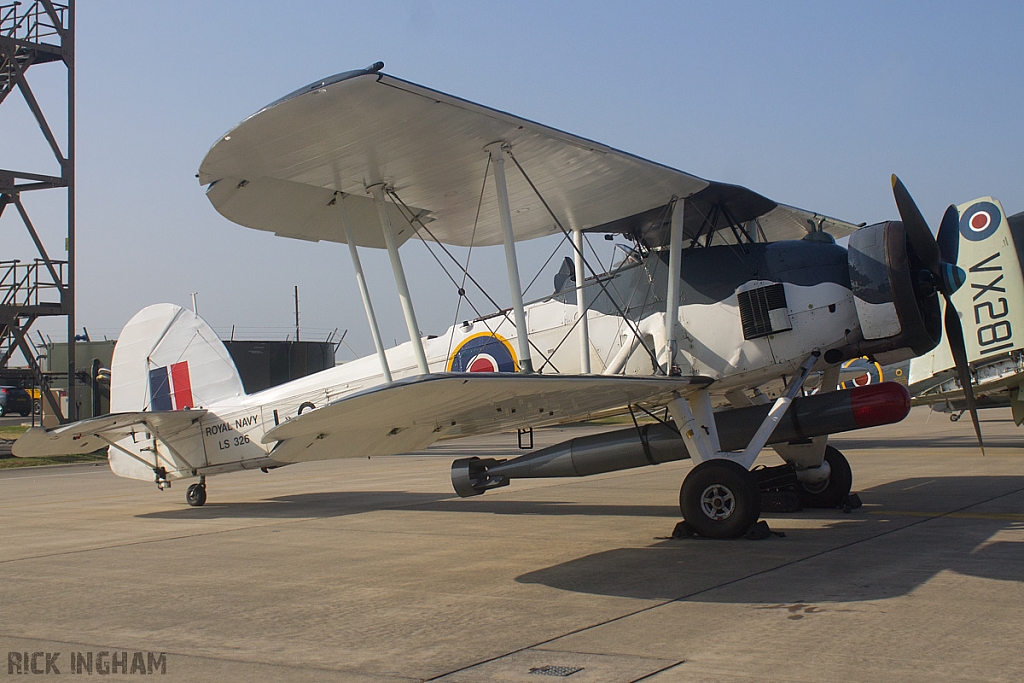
[955,337]
[918,234]
[949,235]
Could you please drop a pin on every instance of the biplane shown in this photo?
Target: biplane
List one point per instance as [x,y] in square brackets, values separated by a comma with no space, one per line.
[711,322]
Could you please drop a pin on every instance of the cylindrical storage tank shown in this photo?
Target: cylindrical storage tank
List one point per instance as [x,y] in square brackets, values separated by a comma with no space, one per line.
[265,364]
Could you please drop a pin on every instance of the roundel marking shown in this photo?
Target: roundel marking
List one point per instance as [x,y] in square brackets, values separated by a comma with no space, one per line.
[872,375]
[483,362]
[980,221]
[484,352]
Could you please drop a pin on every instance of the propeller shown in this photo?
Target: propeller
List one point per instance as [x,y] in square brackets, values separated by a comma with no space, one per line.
[941,274]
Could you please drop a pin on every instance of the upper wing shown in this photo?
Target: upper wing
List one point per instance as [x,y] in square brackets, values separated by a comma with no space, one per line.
[411,414]
[84,436]
[279,169]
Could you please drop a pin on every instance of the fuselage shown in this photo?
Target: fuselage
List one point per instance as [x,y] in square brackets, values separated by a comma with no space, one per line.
[749,315]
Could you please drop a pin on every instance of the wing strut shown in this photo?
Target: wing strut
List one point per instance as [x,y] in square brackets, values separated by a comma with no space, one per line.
[377,190]
[497,152]
[675,256]
[598,280]
[694,416]
[363,290]
[581,305]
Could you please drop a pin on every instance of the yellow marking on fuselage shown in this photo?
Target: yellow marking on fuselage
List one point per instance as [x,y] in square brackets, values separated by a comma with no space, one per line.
[493,335]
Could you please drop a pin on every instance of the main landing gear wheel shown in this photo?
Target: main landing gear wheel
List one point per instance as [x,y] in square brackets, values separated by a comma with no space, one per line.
[196,495]
[831,493]
[720,499]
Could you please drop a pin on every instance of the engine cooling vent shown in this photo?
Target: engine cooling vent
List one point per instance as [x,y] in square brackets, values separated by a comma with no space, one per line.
[763,311]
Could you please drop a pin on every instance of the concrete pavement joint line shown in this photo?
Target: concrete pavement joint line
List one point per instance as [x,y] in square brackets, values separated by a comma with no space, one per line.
[46,476]
[241,528]
[230,660]
[681,598]
[923,483]
[659,671]
[62,502]
[125,495]
[997,516]
[152,540]
[208,533]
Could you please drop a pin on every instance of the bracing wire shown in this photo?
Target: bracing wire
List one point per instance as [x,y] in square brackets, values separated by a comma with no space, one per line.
[469,254]
[410,218]
[545,265]
[597,279]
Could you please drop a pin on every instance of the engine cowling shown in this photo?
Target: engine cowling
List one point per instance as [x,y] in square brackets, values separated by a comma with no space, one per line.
[895,295]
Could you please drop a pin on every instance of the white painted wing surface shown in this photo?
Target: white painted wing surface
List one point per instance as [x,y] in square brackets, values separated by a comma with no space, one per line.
[411,414]
[279,169]
[83,437]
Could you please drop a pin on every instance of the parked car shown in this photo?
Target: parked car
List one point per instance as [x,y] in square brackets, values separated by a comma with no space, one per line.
[15,400]
[37,403]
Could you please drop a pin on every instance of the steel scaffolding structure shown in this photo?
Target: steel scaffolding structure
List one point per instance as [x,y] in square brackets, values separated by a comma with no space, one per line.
[33,33]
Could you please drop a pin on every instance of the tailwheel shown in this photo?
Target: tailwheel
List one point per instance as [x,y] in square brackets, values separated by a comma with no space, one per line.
[720,499]
[196,494]
[832,492]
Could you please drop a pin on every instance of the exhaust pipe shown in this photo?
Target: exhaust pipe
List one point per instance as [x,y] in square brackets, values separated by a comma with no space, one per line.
[809,416]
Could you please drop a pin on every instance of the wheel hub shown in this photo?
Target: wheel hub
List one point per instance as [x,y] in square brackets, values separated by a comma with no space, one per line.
[717,502]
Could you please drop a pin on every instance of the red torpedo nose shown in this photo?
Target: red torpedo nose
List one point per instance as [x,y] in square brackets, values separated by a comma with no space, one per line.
[879,404]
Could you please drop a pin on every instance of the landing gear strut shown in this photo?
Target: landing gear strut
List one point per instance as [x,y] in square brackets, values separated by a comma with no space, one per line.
[720,499]
[833,491]
[196,494]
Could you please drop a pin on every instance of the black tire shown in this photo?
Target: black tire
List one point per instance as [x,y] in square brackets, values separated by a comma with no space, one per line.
[3,410]
[720,499]
[37,407]
[196,495]
[832,493]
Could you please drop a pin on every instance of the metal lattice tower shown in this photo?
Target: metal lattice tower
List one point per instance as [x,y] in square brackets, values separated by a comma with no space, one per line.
[34,33]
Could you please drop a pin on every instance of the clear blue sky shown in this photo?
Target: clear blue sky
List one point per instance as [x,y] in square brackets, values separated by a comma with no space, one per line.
[810,103]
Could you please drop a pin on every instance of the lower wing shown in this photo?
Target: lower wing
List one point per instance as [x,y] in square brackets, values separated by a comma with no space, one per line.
[411,414]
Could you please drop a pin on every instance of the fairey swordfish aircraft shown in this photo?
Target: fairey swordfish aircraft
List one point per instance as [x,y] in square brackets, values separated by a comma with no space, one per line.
[712,324]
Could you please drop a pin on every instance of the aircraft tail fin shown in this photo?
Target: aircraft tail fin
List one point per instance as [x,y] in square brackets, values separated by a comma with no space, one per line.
[167,359]
[991,302]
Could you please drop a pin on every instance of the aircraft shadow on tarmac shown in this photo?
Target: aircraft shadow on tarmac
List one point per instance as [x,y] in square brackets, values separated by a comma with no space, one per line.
[821,565]
[855,557]
[340,503]
[860,556]
[301,505]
